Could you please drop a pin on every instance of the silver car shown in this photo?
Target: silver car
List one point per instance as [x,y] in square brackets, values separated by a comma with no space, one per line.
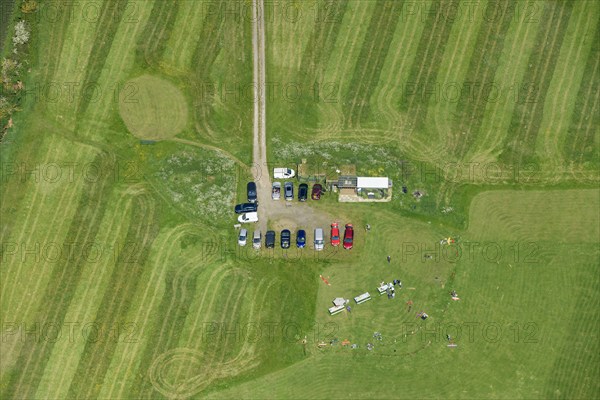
[276,191]
[289,191]
[256,240]
[243,237]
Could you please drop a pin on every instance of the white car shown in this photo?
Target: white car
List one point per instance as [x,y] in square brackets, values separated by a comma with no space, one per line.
[243,237]
[276,191]
[248,217]
[283,173]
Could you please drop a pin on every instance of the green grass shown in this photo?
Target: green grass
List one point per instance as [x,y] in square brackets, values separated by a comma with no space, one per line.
[173,292]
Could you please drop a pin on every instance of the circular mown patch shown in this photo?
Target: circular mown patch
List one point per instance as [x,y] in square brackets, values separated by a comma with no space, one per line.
[153,108]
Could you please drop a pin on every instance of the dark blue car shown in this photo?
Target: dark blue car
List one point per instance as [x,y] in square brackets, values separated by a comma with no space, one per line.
[251,189]
[301,239]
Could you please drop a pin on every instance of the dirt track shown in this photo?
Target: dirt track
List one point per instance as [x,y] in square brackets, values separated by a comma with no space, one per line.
[290,215]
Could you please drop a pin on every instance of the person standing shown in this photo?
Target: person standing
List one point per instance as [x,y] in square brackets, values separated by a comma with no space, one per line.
[389,258]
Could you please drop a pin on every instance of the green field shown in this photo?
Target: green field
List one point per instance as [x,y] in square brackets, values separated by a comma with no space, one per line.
[120,276]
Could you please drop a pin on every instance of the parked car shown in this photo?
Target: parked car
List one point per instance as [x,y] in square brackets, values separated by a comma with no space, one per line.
[270,239]
[319,242]
[256,240]
[283,173]
[251,191]
[276,191]
[301,239]
[285,238]
[248,217]
[243,237]
[348,236]
[317,189]
[302,192]
[289,191]
[246,207]
[335,234]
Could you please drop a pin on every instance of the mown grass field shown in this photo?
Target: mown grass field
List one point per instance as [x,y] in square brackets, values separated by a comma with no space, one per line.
[120,276]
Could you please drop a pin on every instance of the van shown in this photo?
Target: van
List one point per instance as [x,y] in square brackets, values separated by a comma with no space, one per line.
[319,241]
[283,173]
[256,240]
[248,217]
[243,237]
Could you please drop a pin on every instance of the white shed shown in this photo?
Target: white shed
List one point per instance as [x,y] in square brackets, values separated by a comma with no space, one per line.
[363,182]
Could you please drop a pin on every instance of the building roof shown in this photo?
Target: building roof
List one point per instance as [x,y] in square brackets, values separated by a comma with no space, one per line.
[339,301]
[373,182]
[347,181]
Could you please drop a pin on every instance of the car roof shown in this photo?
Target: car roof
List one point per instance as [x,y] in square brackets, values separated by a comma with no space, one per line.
[243,231]
[277,184]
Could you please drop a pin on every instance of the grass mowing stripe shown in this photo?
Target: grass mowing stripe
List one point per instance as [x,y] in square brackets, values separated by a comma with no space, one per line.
[7,7]
[148,295]
[155,36]
[316,57]
[436,36]
[529,112]
[205,54]
[171,327]
[111,16]
[482,70]
[321,44]
[371,59]
[56,33]
[578,144]
[97,355]
[570,370]
[55,383]
[26,376]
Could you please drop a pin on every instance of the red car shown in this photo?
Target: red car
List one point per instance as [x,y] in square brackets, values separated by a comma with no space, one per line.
[335,234]
[348,236]
[316,191]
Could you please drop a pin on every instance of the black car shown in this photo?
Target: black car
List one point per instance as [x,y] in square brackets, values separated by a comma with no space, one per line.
[285,239]
[246,207]
[270,239]
[251,189]
[302,192]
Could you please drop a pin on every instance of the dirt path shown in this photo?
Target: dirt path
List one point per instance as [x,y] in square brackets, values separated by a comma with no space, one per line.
[283,214]
[259,156]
